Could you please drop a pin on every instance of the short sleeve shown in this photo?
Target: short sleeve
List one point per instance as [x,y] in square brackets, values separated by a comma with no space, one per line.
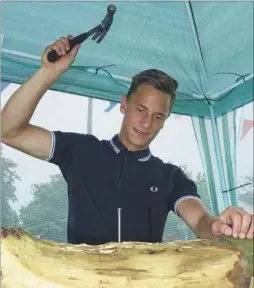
[182,188]
[64,147]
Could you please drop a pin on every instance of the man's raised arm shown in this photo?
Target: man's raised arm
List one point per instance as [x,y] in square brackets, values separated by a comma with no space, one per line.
[16,130]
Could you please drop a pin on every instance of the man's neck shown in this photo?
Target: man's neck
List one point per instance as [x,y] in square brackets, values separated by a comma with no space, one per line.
[128,145]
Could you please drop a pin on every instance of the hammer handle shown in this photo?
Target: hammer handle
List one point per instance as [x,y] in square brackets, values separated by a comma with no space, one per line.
[53,56]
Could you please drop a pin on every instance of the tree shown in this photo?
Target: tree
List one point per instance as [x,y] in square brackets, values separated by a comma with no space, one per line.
[245,192]
[46,215]
[201,186]
[176,228]
[9,217]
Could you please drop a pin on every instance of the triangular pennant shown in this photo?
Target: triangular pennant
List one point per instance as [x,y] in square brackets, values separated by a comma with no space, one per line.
[4,85]
[110,107]
[247,125]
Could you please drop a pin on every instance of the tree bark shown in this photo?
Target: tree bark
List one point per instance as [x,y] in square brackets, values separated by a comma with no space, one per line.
[33,263]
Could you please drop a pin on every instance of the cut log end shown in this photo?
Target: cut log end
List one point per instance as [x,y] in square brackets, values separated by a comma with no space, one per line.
[194,263]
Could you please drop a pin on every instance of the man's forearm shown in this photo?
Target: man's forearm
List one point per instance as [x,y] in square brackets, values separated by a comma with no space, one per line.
[19,109]
[203,228]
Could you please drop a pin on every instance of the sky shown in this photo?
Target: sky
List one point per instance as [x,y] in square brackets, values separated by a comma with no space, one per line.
[61,111]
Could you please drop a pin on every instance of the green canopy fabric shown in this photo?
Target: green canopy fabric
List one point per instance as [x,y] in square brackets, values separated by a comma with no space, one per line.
[206,46]
[218,155]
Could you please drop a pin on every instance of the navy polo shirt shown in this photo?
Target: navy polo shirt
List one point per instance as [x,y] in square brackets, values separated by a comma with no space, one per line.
[103,176]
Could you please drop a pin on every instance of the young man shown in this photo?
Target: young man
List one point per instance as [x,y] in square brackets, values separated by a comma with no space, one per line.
[105,176]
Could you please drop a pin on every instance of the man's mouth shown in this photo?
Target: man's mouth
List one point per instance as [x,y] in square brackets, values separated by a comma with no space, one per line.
[139,132]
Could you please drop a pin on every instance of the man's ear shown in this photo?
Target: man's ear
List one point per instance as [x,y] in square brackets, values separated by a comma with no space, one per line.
[123,106]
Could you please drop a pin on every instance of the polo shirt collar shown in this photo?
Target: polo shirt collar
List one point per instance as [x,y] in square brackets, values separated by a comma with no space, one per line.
[118,146]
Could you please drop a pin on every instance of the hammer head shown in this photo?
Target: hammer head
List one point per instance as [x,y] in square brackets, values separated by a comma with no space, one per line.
[105,24]
[111,9]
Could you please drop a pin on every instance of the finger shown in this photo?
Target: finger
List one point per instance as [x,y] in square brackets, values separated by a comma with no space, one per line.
[74,50]
[225,219]
[52,47]
[70,37]
[250,234]
[48,48]
[66,43]
[246,222]
[56,48]
[236,219]
[219,227]
[215,228]
[226,230]
[61,46]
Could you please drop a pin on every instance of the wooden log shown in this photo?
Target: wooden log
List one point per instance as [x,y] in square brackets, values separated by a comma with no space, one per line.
[33,263]
[252,282]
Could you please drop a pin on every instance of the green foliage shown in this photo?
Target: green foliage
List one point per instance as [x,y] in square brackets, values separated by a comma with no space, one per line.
[176,228]
[201,186]
[245,193]
[9,217]
[46,215]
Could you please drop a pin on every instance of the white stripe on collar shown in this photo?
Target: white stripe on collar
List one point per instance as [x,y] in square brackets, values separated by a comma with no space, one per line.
[117,151]
[114,146]
[145,158]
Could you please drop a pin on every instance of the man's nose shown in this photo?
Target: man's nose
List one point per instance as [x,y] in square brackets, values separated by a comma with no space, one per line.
[146,121]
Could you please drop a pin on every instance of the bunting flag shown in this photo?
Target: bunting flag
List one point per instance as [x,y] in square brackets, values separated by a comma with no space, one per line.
[4,85]
[247,125]
[110,107]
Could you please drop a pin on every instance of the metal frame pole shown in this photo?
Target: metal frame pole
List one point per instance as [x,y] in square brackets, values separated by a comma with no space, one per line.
[219,157]
[90,116]
[205,88]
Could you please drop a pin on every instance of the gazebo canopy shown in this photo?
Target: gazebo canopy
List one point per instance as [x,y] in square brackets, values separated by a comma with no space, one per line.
[206,46]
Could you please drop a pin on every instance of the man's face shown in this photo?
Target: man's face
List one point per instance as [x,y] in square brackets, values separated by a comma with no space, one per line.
[144,116]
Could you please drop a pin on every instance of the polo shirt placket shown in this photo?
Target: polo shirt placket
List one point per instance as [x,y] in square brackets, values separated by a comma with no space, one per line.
[129,203]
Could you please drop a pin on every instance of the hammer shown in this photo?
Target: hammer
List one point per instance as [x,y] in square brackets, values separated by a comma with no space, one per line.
[99,32]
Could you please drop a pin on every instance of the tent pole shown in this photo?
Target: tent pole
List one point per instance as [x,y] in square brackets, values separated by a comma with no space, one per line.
[219,157]
[240,82]
[205,88]
[203,73]
[90,116]
[35,57]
